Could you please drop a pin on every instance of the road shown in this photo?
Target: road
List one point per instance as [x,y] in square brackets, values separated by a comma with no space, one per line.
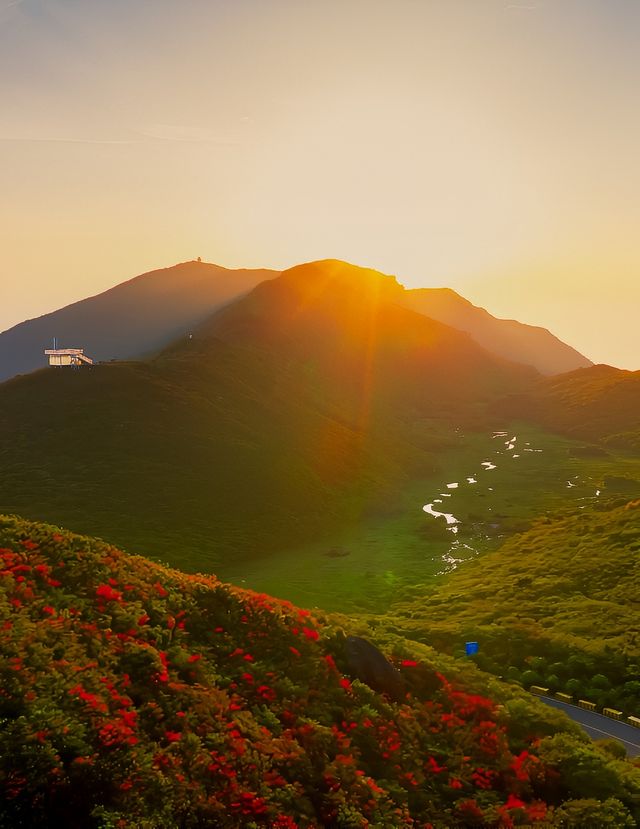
[599,727]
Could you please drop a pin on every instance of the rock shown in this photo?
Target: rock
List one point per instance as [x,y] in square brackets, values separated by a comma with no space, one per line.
[372,667]
[337,552]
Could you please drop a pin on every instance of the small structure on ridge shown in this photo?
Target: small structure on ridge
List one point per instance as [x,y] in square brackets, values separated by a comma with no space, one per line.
[67,357]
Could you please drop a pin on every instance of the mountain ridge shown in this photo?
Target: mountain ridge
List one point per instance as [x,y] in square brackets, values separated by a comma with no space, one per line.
[144,314]
[520,342]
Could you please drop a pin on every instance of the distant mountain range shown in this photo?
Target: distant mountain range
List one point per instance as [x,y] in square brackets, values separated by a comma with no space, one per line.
[526,344]
[146,313]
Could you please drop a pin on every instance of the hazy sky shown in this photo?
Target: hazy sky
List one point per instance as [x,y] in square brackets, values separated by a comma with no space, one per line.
[487,145]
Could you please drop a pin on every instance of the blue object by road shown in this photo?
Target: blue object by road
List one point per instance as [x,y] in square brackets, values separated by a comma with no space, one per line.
[471,648]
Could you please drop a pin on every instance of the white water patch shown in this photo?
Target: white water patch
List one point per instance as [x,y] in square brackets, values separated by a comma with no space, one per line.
[471,480]
[445,494]
[569,484]
[452,561]
[515,456]
[449,518]
[437,500]
[490,489]
[488,465]
[597,492]
[452,486]
[499,434]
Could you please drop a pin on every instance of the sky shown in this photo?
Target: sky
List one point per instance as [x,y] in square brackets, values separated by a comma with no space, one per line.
[490,146]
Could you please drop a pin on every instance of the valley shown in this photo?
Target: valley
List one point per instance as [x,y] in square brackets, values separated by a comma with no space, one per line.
[397,550]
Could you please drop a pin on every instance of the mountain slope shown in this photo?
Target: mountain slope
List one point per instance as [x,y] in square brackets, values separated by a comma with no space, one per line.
[131,319]
[348,324]
[290,412]
[135,696]
[513,340]
[600,403]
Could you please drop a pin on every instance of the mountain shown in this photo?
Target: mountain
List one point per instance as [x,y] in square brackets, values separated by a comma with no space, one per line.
[137,696]
[291,411]
[134,318]
[513,340]
[600,403]
[144,314]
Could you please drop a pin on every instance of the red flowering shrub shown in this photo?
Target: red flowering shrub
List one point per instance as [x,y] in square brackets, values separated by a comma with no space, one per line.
[134,696]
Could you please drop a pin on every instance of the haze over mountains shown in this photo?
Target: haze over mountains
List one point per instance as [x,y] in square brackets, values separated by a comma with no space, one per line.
[144,314]
[526,344]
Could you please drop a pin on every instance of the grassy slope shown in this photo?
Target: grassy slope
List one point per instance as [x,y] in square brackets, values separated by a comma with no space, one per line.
[567,591]
[135,696]
[599,403]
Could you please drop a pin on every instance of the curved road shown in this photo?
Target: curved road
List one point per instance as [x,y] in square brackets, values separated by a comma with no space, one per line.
[599,727]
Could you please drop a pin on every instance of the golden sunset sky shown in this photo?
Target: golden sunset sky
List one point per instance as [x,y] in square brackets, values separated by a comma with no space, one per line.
[486,145]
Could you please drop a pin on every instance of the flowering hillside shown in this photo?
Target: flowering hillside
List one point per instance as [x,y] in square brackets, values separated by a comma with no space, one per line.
[136,696]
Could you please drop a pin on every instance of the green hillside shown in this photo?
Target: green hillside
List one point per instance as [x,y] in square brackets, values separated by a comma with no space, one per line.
[599,403]
[556,605]
[136,696]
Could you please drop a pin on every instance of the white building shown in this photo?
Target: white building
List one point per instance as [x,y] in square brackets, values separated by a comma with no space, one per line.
[67,357]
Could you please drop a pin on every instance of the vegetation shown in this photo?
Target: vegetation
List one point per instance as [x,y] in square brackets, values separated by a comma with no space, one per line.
[599,403]
[555,606]
[136,696]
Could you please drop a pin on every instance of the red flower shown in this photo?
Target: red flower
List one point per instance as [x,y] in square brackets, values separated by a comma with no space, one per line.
[105,591]
[194,657]
[173,736]
[433,766]
[311,634]
[409,663]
